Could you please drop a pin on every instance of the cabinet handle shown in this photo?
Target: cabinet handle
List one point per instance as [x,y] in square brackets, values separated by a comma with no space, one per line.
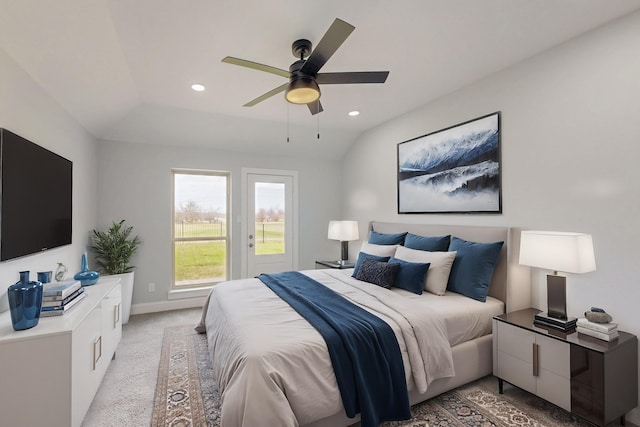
[116,315]
[535,359]
[97,351]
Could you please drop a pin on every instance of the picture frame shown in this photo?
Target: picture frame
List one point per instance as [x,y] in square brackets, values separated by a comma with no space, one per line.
[452,170]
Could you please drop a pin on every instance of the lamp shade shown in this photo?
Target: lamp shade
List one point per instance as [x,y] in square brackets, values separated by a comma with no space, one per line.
[557,251]
[343,230]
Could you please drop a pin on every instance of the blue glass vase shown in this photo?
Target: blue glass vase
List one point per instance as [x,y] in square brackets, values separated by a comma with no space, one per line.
[25,302]
[86,276]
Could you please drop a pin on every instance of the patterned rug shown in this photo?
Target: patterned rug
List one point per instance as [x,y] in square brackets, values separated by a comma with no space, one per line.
[186,395]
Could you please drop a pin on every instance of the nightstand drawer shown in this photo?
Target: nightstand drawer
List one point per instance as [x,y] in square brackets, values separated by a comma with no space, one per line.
[516,342]
[516,371]
[554,356]
[554,388]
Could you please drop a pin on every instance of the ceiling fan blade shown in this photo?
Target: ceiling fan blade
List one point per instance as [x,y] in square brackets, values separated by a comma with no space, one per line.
[352,77]
[330,42]
[267,95]
[256,66]
[315,107]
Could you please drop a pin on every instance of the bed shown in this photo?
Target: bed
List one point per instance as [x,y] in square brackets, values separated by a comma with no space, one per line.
[273,367]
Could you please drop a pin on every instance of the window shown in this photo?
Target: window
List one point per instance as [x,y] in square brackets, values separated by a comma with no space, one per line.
[200,228]
[270,215]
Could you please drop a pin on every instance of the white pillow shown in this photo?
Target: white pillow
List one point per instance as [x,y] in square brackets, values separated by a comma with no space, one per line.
[378,250]
[438,274]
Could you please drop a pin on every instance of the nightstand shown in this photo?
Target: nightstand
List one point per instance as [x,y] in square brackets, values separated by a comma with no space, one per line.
[334,264]
[593,379]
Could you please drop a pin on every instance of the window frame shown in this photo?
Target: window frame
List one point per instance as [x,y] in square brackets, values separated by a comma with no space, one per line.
[174,239]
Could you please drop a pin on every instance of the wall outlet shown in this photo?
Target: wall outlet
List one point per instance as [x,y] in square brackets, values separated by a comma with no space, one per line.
[152,287]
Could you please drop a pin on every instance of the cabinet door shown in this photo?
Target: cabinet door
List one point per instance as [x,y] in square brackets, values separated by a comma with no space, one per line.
[35,374]
[515,356]
[587,378]
[87,363]
[111,321]
[553,381]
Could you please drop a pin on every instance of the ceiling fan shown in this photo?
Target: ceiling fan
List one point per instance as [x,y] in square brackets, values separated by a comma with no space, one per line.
[303,74]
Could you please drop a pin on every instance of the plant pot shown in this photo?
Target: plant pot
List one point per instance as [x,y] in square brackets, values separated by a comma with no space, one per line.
[126,280]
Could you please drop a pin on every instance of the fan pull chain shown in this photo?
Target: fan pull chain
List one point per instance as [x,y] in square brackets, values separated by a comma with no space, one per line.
[288,123]
[318,116]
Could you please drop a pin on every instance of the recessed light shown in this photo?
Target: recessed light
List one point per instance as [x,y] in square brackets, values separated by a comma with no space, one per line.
[198,87]
[354,113]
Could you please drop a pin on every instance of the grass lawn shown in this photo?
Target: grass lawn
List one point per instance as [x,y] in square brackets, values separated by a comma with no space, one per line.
[200,260]
[197,261]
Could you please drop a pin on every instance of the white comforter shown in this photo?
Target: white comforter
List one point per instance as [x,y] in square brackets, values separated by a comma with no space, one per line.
[273,368]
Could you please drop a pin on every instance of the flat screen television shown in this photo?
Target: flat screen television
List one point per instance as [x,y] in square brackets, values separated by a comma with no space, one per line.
[36,198]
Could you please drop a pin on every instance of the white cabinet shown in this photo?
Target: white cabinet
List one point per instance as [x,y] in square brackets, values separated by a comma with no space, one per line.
[584,375]
[50,373]
[533,362]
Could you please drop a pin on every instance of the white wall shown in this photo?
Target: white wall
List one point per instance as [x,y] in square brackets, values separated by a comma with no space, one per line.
[135,185]
[28,111]
[570,149]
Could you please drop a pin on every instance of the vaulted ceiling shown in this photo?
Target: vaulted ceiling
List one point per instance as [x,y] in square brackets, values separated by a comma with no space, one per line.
[124,68]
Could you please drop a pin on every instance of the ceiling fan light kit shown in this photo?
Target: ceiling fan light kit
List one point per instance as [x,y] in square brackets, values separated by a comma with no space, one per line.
[302,90]
[304,74]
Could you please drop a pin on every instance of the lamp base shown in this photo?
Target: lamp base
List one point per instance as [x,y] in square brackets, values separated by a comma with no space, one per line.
[344,253]
[556,297]
[544,319]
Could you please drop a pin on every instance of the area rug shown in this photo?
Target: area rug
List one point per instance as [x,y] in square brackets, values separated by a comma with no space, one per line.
[186,395]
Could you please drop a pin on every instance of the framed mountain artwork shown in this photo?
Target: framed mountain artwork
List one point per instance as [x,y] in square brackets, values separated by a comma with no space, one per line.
[452,170]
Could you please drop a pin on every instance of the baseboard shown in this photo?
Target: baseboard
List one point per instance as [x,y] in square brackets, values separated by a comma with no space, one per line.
[154,307]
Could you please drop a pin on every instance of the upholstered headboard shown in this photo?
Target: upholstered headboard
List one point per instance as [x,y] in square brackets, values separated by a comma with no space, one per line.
[511,281]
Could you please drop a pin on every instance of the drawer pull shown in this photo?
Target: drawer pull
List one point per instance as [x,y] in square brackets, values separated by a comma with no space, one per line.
[116,315]
[535,360]
[97,351]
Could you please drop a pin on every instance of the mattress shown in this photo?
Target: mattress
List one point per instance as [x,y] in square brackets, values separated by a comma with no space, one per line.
[464,318]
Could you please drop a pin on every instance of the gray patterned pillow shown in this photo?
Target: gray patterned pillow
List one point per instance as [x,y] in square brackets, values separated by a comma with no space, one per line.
[378,272]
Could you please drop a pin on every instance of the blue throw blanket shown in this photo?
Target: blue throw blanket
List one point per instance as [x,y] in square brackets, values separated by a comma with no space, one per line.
[364,351]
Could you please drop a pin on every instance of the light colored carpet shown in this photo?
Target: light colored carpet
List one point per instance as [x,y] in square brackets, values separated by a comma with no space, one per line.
[125,397]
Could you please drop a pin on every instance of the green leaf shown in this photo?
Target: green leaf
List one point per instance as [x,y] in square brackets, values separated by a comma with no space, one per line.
[115,248]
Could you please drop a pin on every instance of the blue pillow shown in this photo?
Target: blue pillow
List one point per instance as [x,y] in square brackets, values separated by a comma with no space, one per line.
[431,244]
[386,239]
[378,272]
[362,256]
[473,267]
[411,275]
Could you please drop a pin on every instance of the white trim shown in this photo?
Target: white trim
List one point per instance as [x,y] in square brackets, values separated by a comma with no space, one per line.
[244,172]
[154,307]
[178,294]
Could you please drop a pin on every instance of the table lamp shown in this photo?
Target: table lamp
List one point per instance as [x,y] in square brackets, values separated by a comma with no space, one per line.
[557,251]
[343,231]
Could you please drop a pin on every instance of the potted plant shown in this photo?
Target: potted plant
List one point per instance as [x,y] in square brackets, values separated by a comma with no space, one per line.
[114,249]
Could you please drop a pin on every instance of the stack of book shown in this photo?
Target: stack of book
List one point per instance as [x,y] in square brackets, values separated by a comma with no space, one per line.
[59,297]
[603,331]
[565,325]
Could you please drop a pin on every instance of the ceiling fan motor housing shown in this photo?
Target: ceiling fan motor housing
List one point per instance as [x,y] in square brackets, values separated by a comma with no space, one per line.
[301,48]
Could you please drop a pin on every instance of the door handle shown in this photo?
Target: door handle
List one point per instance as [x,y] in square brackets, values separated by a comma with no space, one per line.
[535,360]
[97,351]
